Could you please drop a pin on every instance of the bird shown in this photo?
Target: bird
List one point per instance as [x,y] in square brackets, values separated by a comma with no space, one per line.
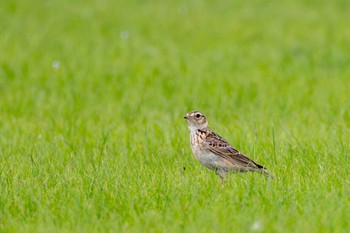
[214,152]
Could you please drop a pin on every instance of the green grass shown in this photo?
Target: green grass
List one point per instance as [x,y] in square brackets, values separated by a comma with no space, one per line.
[99,143]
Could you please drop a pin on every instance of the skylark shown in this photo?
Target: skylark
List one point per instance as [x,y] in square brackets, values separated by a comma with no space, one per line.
[214,152]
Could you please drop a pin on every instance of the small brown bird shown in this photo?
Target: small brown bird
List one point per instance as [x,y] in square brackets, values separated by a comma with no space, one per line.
[214,152]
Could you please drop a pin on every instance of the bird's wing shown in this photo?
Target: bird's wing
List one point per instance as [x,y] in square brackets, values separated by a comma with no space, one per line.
[221,147]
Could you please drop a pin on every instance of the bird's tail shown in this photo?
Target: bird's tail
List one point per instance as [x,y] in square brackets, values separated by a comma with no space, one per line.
[264,171]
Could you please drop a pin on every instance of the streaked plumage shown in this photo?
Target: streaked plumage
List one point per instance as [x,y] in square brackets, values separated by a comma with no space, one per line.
[214,152]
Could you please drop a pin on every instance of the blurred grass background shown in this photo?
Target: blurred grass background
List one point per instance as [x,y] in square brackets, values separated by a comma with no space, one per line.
[92,98]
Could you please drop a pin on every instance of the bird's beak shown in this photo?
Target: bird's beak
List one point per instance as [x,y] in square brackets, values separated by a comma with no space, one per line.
[186,117]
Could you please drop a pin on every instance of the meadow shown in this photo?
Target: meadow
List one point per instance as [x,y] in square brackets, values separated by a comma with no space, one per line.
[92,99]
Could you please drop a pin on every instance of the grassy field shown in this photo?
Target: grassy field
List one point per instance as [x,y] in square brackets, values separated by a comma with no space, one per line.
[92,99]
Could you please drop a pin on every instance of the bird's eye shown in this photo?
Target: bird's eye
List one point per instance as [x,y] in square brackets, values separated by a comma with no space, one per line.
[198,115]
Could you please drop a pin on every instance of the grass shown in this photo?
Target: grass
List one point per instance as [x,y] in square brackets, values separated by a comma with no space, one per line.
[93,93]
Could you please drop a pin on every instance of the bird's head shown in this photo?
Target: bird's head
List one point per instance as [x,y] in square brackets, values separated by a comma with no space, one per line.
[196,120]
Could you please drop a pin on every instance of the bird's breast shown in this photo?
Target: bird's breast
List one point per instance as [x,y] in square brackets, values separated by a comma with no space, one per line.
[197,138]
